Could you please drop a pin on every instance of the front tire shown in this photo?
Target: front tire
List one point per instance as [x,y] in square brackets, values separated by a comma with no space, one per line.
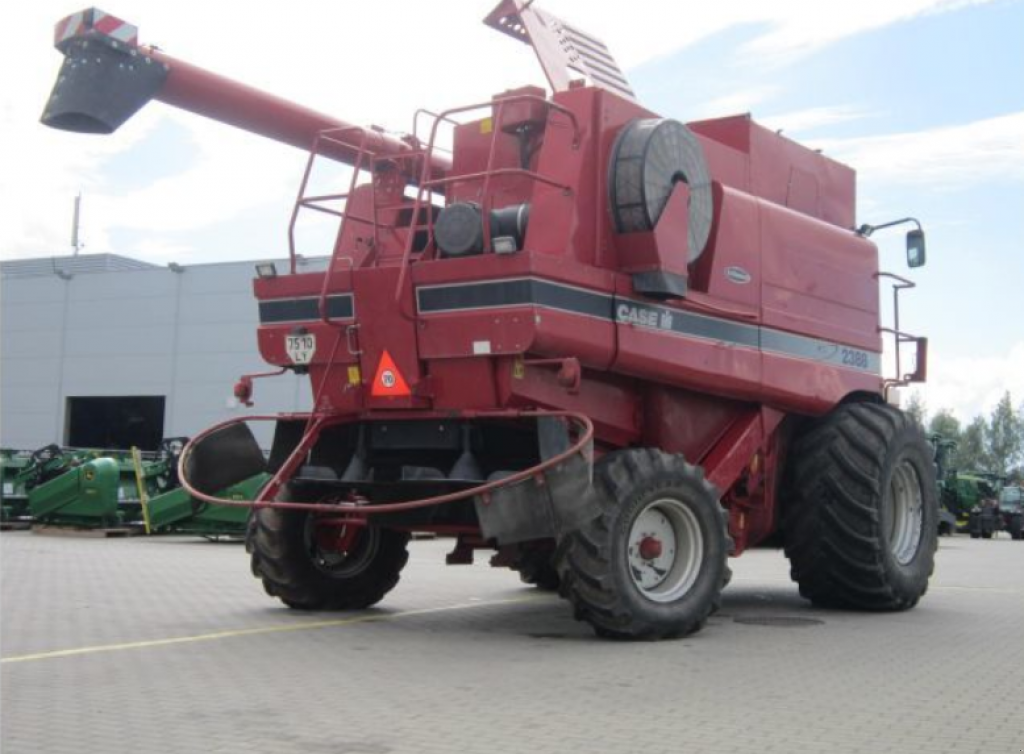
[653,564]
[296,565]
[861,523]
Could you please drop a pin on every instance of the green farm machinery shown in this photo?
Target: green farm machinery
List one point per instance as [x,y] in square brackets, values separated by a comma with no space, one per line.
[108,489]
[13,497]
[960,492]
[86,488]
[1004,512]
[178,513]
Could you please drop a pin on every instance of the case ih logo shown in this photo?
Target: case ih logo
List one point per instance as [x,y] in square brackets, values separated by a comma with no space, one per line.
[643,316]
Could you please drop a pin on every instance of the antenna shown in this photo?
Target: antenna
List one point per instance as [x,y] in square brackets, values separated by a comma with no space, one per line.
[76,242]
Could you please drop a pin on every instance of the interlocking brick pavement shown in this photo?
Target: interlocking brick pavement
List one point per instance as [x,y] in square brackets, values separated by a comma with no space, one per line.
[505,670]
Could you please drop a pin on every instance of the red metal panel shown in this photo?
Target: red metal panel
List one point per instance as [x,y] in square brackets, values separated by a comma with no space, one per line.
[464,383]
[818,279]
[680,421]
[610,401]
[730,268]
[386,324]
[480,333]
[809,388]
[714,367]
[733,452]
[726,163]
[825,189]
[590,340]
[778,163]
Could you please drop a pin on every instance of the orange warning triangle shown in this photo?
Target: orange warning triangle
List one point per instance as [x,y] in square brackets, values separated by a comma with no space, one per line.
[388,381]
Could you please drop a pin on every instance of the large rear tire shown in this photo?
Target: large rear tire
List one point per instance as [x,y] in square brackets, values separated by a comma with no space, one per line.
[862,511]
[291,559]
[653,564]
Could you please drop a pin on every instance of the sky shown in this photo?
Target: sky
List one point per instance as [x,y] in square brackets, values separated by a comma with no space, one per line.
[924,98]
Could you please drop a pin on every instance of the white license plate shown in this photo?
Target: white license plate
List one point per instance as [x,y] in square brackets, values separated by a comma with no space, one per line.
[300,348]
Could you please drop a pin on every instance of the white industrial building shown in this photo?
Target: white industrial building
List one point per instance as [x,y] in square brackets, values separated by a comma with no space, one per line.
[105,351]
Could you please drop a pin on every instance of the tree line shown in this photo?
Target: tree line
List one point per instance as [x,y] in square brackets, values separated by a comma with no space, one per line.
[992,444]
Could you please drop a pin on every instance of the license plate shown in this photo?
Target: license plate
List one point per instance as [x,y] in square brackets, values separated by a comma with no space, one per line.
[300,348]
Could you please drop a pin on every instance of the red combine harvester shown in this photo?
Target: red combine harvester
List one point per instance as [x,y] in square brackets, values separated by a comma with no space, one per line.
[614,348]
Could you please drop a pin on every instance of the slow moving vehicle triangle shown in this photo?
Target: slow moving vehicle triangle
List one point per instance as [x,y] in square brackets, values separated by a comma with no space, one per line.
[388,382]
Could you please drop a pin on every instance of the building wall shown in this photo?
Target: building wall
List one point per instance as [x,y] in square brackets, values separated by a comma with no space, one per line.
[185,335]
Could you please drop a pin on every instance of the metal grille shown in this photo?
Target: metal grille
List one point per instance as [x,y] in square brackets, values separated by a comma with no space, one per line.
[566,52]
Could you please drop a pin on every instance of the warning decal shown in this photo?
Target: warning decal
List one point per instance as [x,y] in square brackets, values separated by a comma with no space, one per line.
[388,381]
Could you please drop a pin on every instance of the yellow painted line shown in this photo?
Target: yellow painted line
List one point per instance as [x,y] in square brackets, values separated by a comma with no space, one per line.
[256,631]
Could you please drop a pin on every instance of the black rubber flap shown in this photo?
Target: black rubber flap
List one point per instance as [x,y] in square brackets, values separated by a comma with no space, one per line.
[527,510]
[224,458]
[659,284]
[100,87]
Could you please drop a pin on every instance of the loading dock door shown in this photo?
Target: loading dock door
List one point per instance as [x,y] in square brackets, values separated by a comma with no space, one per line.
[119,422]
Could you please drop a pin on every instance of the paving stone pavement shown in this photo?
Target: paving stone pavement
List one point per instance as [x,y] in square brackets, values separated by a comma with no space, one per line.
[466,659]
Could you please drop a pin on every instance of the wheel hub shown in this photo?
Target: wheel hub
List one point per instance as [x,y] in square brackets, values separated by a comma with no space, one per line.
[650,548]
[665,550]
[340,551]
[336,539]
[905,513]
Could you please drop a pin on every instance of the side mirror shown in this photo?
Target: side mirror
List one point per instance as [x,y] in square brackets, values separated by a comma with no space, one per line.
[915,248]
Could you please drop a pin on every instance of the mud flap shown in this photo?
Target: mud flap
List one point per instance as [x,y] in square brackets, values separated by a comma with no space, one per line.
[224,458]
[560,501]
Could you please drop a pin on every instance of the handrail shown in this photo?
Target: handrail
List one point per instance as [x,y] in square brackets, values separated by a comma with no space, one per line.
[582,446]
[324,288]
[426,182]
[900,336]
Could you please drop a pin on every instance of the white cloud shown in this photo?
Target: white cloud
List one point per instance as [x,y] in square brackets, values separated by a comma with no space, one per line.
[972,385]
[222,177]
[800,121]
[652,27]
[952,157]
[743,101]
[802,26]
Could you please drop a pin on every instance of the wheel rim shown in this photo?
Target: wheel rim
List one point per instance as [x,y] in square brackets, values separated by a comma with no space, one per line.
[344,551]
[665,550]
[905,508]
